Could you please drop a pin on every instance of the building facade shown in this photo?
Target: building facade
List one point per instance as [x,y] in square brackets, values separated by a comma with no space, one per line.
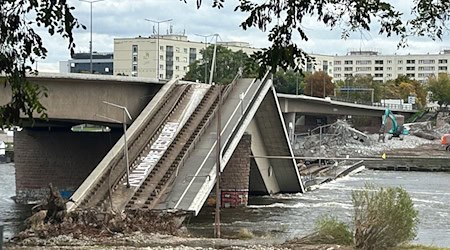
[164,58]
[388,67]
[102,63]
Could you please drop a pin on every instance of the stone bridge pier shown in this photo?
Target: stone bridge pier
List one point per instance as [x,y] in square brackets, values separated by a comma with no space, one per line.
[58,156]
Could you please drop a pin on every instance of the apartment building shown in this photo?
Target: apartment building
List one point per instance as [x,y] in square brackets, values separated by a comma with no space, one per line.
[387,67]
[163,58]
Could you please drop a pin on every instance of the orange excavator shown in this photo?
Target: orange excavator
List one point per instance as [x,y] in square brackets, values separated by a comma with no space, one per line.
[445,141]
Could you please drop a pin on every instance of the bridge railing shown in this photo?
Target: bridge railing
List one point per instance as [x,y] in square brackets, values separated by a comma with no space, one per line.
[406,106]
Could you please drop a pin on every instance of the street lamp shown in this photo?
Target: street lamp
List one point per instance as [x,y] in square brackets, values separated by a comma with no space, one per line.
[204,56]
[90,42]
[125,148]
[213,63]
[157,43]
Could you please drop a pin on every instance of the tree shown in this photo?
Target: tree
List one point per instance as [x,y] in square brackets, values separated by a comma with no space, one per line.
[365,83]
[440,89]
[20,45]
[316,82]
[402,87]
[286,18]
[227,65]
[289,82]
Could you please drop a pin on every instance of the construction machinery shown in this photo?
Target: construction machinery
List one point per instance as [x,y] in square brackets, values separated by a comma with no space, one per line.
[396,130]
[445,141]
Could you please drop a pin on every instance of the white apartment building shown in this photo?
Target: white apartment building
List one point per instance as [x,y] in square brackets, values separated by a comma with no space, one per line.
[141,56]
[387,67]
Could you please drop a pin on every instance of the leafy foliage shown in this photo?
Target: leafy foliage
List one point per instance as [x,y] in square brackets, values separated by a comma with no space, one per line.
[21,45]
[383,218]
[289,82]
[333,231]
[319,84]
[440,89]
[227,65]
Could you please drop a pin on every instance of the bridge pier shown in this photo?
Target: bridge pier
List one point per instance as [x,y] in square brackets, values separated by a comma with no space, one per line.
[58,156]
[289,121]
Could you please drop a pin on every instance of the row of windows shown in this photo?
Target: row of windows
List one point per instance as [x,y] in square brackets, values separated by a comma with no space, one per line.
[409,68]
[411,61]
[419,75]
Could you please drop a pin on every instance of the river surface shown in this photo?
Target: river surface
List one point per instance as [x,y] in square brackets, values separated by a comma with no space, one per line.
[286,216]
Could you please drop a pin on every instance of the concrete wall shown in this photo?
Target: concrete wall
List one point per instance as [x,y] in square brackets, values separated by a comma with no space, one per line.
[62,157]
[235,178]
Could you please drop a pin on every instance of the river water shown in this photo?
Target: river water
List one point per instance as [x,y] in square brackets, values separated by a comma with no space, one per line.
[286,216]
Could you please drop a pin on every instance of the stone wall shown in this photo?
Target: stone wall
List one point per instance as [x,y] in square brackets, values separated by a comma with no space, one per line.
[235,178]
[59,156]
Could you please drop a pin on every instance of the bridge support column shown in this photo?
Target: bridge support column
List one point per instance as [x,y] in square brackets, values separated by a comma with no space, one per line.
[58,156]
[289,120]
[235,177]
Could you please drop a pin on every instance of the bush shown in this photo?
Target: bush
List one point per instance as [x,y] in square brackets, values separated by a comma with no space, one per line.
[333,231]
[383,218]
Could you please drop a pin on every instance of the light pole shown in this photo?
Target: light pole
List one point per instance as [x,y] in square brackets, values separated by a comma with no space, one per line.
[213,63]
[157,42]
[91,70]
[125,148]
[204,55]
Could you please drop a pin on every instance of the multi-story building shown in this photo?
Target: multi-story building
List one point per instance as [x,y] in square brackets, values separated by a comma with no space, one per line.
[143,57]
[102,63]
[387,67]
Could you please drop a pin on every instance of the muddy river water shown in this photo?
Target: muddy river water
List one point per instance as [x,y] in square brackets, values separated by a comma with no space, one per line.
[287,216]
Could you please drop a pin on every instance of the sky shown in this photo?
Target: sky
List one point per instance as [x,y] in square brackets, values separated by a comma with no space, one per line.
[125,19]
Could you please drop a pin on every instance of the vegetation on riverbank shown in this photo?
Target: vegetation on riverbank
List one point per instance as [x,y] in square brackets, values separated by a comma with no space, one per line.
[383,219]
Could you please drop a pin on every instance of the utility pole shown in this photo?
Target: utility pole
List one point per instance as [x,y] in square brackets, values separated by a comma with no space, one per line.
[91,70]
[213,63]
[157,43]
[204,55]
[218,159]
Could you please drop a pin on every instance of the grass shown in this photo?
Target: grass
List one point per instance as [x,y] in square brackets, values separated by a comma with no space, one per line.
[420,247]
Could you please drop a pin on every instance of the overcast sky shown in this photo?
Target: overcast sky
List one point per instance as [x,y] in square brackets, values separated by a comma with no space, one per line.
[118,19]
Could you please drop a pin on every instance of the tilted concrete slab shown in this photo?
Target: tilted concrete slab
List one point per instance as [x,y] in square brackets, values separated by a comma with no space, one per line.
[196,178]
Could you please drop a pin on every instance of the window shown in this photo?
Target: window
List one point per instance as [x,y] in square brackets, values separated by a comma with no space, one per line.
[134,67]
[161,48]
[426,68]
[348,62]
[135,48]
[337,75]
[177,59]
[347,75]
[177,67]
[161,57]
[410,68]
[134,74]
[410,61]
[161,66]
[363,68]
[185,50]
[389,61]
[177,49]
[134,58]
[337,62]
[337,68]
[363,62]
[400,61]
[378,75]
[389,75]
[442,67]
[389,68]
[378,61]
[378,68]
[184,59]
[410,75]
[400,68]
[426,61]
[442,60]
[348,69]
[161,76]
[185,68]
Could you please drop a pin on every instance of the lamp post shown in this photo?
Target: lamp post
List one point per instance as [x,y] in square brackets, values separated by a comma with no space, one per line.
[91,70]
[213,63]
[157,43]
[204,55]
[125,148]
